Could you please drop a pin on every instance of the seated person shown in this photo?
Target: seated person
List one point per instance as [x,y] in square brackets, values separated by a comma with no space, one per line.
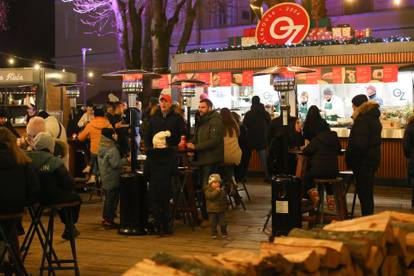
[322,151]
[56,185]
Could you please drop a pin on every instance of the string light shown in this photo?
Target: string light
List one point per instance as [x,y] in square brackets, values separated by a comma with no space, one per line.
[90,74]
[11,61]
[36,66]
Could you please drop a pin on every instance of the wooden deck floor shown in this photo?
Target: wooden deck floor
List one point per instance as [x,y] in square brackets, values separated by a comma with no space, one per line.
[104,252]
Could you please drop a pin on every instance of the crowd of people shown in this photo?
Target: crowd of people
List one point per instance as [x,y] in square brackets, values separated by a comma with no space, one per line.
[220,149]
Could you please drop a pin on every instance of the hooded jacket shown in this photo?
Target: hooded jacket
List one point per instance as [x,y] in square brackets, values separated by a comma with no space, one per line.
[364,145]
[93,130]
[208,139]
[19,183]
[216,200]
[110,163]
[257,122]
[323,151]
[56,185]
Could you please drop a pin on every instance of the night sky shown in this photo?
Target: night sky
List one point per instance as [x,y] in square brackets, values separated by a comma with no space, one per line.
[31,31]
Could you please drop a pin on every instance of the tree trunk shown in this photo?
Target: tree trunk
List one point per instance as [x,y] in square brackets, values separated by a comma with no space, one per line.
[161,34]
[146,44]
[121,32]
[136,27]
[191,13]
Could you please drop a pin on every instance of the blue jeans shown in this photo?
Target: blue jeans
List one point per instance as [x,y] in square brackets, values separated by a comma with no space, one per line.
[110,204]
[93,162]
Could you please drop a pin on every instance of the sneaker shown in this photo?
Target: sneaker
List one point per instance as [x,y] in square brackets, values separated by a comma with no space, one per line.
[330,201]
[67,236]
[214,237]
[87,169]
[92,179]
[109,224]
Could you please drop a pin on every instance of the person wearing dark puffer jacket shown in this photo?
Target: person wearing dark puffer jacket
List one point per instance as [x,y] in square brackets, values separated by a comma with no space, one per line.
[322,152]
[364,149]
[19,183]
[257,122]
[56,185]
[408,146]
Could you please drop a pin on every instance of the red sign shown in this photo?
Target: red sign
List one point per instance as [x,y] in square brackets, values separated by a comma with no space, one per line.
[363,74]
[162,82]
[390,73]
[206,77]
[131,77]
[247,78]
[222,78]
[285,23]
[337,75]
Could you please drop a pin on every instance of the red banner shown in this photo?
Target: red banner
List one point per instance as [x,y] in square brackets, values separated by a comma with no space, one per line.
[312,78]
[206,77]
[337,75]
[247,78]
[390,73]
[222,79]
[162,82]
[363,74]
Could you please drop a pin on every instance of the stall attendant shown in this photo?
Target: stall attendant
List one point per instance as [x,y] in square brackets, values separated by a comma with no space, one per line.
[332,106]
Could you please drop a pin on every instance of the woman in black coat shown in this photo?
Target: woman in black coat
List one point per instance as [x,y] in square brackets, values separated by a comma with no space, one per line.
[257,122]
[408,146]
[322,152]
[364,149]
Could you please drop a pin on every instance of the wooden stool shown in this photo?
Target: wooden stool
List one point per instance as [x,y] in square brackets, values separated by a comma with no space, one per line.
[340,201]
[349,179]
[10,249]
[48,251]
[185,200]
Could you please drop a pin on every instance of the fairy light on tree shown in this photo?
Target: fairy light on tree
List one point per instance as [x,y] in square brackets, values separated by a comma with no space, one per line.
[149,23]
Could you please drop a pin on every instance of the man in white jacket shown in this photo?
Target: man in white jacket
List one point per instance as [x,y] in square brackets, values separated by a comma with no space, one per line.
[332,107]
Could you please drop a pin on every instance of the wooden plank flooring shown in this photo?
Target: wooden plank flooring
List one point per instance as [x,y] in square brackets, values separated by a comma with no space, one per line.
[104,252]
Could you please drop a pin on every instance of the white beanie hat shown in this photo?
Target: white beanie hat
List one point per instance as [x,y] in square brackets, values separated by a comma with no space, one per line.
[159,140]
[215,177]
[44,140]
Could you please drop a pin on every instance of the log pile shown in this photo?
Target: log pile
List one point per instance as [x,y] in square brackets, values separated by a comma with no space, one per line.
[382,244]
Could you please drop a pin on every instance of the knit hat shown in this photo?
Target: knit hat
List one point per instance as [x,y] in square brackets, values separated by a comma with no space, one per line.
[359,99]
[35,126]
[327,91]
[44,140]
[159,140]
[215,177]
[108,133]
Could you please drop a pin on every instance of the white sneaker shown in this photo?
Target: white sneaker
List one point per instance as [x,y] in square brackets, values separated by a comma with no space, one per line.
[87,169]
[91,179]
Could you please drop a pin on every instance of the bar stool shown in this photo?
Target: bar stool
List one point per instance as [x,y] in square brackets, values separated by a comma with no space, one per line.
[338,195]
[243,187]
[184,202]
[53,262]
[349,179]
[10,249]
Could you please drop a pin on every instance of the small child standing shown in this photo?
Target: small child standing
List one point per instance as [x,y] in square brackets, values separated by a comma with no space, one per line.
[216,201]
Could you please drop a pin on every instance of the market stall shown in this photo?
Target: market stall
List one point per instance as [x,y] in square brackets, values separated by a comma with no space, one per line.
[24,90]
[346,69]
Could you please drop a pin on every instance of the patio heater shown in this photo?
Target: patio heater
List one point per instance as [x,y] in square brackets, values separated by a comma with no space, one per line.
[188,90]
[286,189]
[133,187]
[132,85]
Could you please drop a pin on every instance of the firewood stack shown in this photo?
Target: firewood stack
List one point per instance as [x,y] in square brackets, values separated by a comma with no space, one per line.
[382,244]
